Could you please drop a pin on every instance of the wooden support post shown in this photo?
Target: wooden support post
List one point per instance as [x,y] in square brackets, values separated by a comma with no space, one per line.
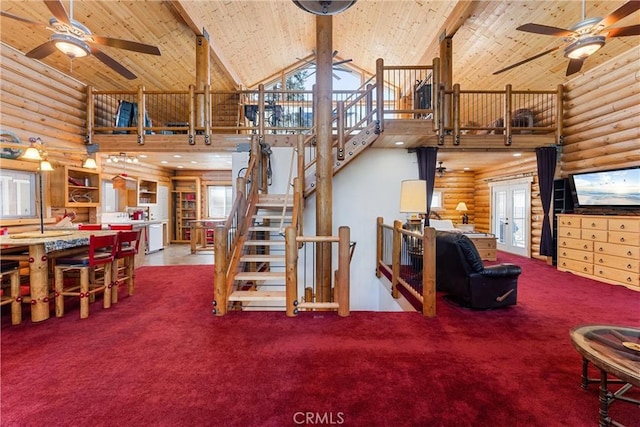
[260,111]
[379,242]
[343,276]
[203,79]
[192,115]
[395,263]
[507,115]
[369,103]
[559,115]
[208,108]
[324,159]
[220,271]
[90,116]
[141,114]
[341,119]
[291,271]
[429,272]
[380,92]
[456,114]
[301,148]
[435,96]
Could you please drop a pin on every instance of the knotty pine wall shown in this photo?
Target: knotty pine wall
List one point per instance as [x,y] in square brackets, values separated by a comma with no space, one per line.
[602,117]
[38,101]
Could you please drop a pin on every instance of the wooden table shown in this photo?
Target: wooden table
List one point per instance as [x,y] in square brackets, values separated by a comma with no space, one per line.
[42,247]
[609,348]
[198,235]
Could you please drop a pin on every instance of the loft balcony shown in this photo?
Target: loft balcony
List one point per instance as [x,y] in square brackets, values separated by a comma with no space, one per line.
[409,103]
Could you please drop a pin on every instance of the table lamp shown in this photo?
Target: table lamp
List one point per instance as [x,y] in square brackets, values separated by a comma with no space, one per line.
[413,200]
[462,207]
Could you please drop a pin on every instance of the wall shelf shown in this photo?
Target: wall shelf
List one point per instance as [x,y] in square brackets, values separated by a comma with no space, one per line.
[75,187]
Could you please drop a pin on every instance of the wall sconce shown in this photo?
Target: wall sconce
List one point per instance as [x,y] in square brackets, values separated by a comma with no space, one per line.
[413,200]
[37,152]
[462,207]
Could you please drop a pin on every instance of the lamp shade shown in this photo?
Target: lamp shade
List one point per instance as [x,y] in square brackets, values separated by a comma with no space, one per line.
[32,153]
[45,166]
[90,163]
[413,196]
[462,207]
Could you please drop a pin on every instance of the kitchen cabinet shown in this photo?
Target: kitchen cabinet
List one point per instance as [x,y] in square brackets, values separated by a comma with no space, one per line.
[147,192]
[75,187]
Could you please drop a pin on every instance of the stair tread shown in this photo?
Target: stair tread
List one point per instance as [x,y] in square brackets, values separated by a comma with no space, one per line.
[264,242]
[258,258]
[258,296]
[260,275]
[264,228]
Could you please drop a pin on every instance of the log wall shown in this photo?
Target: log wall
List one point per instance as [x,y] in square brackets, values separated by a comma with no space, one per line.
[602,117]
[456,187]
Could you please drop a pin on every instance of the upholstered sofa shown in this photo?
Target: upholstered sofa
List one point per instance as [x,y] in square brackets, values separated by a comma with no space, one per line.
[461,273]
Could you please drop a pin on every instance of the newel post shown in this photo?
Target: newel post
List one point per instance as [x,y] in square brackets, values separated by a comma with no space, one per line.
[343,277]
[379,242]
[291,271]
[395,264]
[220,271]
[429,272]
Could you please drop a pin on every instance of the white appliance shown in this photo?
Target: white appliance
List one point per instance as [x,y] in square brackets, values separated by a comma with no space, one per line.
[155,238]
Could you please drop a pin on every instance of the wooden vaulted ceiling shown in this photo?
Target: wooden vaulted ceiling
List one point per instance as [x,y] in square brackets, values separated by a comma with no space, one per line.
[254,39]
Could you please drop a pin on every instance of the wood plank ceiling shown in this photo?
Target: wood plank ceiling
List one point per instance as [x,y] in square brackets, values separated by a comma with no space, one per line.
[252,40]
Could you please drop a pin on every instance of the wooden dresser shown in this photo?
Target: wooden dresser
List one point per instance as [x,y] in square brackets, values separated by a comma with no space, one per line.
[486,245]
[604,248]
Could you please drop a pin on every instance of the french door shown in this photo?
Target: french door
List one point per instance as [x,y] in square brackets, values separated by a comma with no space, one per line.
[510,215]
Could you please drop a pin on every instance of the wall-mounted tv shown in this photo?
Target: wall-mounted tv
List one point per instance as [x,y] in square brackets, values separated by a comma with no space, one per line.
[618,188]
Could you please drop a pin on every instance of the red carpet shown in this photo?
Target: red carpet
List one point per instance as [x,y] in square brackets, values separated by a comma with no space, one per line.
[161,358]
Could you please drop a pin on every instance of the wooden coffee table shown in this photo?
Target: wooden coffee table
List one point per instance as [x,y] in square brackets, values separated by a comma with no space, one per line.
[614,350]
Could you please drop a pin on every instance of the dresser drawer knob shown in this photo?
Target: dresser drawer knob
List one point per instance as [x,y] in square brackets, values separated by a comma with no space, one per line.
[593,224]
[584,269]
[629,267]
[629,253]
[586,246]
[622,239]
[629,279]
[601,249]
[586,258]
[564,254]
[593,236]
[601,261]
[621,226]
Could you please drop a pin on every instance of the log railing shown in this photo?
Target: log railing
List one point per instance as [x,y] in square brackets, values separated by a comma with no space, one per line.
[300,273]
[395,92]
[408,260]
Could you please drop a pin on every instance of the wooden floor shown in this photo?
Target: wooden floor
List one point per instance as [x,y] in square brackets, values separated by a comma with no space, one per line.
[179,254]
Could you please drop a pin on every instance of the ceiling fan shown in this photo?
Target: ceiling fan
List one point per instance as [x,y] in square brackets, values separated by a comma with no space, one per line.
[335,66]
[584,38]
[76,41]
[440,170]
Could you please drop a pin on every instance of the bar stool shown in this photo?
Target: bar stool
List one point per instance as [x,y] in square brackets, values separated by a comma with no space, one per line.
[99,257]
[11,269]
[128,243]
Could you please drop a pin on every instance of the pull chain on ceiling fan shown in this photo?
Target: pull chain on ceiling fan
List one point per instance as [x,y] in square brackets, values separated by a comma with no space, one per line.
[76,40]
[584,38]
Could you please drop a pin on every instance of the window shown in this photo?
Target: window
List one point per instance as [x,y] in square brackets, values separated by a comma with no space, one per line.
[436,200]
[219,201]
[18,193]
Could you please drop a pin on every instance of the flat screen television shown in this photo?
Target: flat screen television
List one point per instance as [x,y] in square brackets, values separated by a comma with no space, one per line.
[618,188]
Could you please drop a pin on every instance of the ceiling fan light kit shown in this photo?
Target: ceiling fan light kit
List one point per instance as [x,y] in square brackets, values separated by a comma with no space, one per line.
[324,7]
[70,46]
[583,48]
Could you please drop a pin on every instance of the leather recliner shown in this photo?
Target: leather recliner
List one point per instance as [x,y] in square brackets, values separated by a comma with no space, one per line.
[461,273]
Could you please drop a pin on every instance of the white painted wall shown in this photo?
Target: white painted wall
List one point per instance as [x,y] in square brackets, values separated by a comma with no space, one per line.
[368,188]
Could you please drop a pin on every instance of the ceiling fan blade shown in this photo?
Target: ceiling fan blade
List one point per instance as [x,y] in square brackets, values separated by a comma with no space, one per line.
[632,30]
[42,51]
[545,30]
[526,60]
[574,66]
[623,11]
[58,11]
[125,44]
[21,19]
[342,62]
[113,64]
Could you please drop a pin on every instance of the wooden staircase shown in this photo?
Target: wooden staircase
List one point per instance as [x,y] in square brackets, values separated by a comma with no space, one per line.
[260,281]
[355,145]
